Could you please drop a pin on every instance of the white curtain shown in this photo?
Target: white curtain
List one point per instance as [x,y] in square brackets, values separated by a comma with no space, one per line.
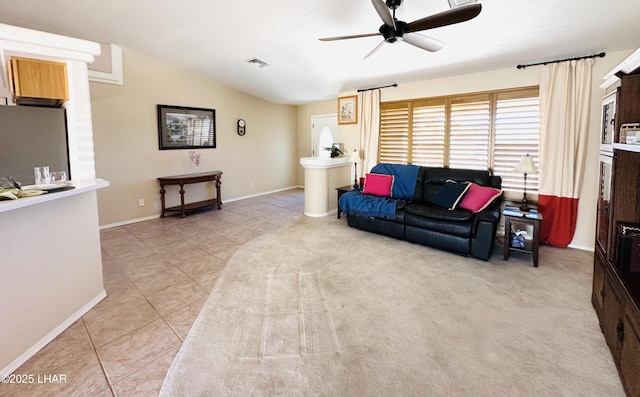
[565,97]
[369,128]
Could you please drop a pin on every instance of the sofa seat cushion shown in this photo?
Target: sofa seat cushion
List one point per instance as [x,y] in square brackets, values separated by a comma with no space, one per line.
[453,228]
[399,217]
[439,213]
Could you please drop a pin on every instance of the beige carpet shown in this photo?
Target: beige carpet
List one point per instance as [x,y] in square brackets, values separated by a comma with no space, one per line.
[321,309]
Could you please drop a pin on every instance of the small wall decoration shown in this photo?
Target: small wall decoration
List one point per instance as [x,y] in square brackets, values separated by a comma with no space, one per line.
[348,110]
[242,127]
[186,128]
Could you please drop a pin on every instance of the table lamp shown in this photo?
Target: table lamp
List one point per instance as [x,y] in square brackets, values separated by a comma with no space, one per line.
[355,159]
[525,166]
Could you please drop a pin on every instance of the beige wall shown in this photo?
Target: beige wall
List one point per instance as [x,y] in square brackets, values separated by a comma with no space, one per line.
[126,140]
[508,78]
[303,136]
[124,120]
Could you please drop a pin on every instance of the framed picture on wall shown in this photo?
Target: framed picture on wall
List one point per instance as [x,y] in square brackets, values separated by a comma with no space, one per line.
[181,127]
[348,110]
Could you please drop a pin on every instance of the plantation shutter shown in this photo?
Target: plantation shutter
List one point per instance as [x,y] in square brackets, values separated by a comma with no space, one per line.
[517,127]
[491,130]
[470,132]
[394,133]
[428,133]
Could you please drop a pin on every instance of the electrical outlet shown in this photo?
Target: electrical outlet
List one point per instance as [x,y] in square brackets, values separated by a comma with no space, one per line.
[250,183]
[140,202]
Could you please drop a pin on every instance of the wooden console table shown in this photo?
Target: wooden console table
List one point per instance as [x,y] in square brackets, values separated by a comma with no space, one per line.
[213,176]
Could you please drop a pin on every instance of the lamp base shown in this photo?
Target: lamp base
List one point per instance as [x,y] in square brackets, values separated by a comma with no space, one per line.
[524,207]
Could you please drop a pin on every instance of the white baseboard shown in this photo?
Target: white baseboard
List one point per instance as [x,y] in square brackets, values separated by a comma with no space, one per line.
[581,247]
[129,222]
[332,212]
[148,218]
[262,194]
[52,335]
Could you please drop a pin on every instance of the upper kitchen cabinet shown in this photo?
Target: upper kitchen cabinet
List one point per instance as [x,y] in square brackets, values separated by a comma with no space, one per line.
[38,82]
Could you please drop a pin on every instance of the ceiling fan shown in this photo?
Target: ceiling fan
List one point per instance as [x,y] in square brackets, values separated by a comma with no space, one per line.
[394,30]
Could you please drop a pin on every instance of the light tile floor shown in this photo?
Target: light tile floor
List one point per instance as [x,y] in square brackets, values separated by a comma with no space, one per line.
[157,275]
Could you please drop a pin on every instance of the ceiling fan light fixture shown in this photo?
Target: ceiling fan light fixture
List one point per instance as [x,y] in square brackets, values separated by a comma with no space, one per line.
[392,35]
[393,4]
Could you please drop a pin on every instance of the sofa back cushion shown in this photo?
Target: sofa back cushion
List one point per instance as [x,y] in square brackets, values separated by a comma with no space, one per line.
[405,177]
[431,180]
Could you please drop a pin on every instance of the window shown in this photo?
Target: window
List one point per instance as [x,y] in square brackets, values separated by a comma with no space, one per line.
[477,131]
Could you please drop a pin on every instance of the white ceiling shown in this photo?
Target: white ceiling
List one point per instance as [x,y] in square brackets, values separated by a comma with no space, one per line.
[217,37]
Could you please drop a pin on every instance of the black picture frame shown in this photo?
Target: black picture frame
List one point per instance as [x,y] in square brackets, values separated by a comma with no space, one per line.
[181,127]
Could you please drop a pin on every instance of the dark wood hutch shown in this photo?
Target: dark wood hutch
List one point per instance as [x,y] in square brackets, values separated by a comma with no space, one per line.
[616,292]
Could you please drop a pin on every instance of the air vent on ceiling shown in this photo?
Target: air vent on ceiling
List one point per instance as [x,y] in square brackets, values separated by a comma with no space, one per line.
[258,62]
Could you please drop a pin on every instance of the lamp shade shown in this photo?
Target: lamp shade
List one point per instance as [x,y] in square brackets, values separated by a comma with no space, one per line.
[526,166]
[355,158]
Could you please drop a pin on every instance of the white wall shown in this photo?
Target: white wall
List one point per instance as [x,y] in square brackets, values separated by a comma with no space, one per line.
[51,273]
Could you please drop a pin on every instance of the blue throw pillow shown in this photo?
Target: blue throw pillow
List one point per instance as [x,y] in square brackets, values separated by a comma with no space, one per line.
[451,194]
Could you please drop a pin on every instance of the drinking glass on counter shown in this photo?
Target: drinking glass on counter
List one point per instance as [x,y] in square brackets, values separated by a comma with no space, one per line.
[59,177]
[42,176]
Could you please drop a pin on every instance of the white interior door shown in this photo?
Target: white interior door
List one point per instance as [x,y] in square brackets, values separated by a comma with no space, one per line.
[324,132]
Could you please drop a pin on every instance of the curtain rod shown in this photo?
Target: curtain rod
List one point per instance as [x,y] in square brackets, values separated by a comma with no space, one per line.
[375,88]
[600,55]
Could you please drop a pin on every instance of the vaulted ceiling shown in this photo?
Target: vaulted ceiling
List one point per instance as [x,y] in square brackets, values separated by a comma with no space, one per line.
[217,38]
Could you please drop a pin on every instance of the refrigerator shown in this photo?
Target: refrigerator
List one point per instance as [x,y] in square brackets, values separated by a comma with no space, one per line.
[32,137]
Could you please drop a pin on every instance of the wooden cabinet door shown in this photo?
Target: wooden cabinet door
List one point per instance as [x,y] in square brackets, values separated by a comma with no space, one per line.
[36,81]
[603,219]
[612,317]
[630,355]
[597,297]
[608,119]
[628,103]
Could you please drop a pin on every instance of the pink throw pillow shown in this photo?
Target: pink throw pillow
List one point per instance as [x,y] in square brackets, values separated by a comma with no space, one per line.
[378,185]
[479,197]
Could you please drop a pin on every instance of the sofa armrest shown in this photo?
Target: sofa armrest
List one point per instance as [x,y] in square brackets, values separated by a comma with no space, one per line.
[489,214]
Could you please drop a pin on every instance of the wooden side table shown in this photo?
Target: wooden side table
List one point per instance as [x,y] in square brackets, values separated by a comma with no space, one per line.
[342,190]
[213,176]
[513,216]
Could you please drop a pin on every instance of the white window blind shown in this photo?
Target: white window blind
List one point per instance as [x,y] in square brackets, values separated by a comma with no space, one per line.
[517,133]
[428,133]
[469,133]
[394,133]
[490,130]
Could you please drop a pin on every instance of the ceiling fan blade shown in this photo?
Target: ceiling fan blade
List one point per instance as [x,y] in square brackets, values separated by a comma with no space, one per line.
[374,50]
[384,12]
[356,36]
[449,17]
[424,42]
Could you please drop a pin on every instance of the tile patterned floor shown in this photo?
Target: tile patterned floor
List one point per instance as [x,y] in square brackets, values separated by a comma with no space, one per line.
[157,275]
